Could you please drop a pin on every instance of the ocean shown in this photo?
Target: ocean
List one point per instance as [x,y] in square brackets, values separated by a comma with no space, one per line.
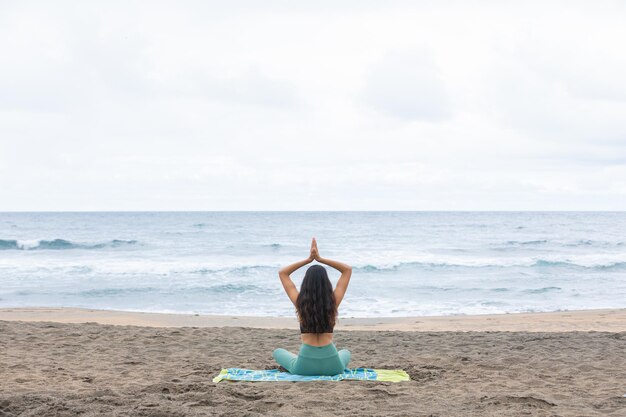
[404,263]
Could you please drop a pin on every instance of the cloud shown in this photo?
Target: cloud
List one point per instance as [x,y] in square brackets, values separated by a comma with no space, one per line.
[204,106]
[408,86]
[562,91]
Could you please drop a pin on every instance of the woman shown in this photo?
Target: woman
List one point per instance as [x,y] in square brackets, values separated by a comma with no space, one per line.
[316,306]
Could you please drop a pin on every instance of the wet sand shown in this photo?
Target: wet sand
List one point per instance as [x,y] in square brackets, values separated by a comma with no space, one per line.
[607,320]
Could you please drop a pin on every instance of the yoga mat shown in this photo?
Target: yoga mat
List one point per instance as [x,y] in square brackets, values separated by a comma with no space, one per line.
[358,374]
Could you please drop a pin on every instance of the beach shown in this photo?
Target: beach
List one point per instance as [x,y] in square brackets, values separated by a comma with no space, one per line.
[67,362]
[185,187]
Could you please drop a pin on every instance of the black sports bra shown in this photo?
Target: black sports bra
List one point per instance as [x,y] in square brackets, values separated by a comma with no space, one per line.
[304,331]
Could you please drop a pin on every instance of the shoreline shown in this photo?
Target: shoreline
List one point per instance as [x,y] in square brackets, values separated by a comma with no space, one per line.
[601,320]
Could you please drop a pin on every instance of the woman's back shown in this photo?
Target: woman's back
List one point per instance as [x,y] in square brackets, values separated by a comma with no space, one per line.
[316,307]
[316,339]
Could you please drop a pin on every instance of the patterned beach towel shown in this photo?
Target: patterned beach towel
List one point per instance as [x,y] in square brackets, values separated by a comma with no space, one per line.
[360,374]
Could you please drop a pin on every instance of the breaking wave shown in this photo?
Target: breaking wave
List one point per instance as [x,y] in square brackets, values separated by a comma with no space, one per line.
[60,244]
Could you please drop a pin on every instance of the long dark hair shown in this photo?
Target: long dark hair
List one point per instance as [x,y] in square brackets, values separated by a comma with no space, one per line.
[316,306]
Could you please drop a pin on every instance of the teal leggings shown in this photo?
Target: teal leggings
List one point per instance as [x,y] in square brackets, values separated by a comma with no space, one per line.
[313,360]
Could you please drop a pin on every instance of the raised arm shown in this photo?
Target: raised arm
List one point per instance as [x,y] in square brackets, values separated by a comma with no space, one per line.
[345,269]
[288,285]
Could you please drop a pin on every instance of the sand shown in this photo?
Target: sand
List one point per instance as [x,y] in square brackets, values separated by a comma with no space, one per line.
[66,369]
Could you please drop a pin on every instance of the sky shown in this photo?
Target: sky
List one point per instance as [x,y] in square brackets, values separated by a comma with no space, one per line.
[301,105]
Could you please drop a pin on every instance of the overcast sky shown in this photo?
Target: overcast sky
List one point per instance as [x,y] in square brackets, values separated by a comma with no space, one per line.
[312,105]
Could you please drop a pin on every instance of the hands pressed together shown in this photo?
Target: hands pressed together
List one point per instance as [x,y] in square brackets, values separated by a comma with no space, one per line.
[314,252]
[340,289]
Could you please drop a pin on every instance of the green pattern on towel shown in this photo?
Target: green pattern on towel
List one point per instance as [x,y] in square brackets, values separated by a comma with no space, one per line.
[359,374]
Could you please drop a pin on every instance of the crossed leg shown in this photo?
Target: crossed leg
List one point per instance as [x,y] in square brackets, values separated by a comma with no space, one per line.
[344,356]
[284,358]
